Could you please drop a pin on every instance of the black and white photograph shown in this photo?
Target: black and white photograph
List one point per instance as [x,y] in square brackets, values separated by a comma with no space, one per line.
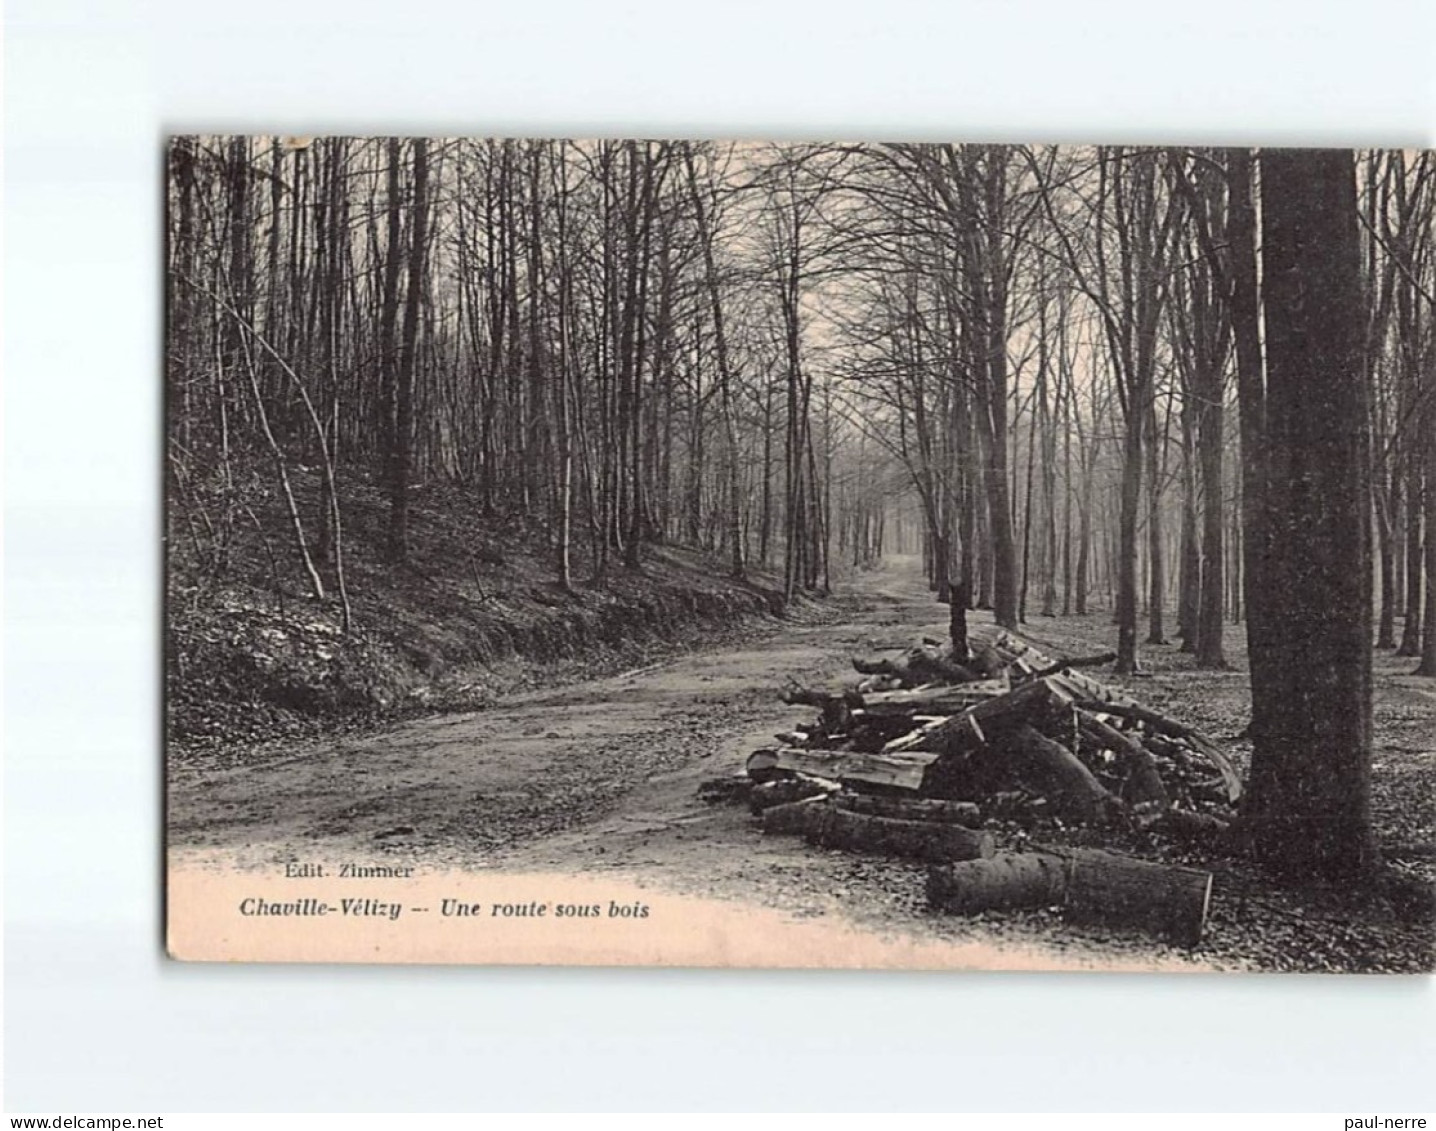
[883,555]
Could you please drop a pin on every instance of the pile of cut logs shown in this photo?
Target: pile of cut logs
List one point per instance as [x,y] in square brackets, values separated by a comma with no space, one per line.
[931,753]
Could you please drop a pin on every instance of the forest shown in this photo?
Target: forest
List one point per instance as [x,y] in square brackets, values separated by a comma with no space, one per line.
[1173,390]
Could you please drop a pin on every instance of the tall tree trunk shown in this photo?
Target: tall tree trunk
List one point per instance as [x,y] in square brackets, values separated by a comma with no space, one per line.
[1411,626]
[1210,605]
[1189,579]
[404,384]
[1131,494]
[1428,429]
[725,379]
[1251,400]
[1386,570]
[1156,563]
[1307,807]
[389,315]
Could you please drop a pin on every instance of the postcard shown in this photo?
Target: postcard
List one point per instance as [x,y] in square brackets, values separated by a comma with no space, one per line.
[754,554]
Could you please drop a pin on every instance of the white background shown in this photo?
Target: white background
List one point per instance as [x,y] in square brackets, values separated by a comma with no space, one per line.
[96,1017]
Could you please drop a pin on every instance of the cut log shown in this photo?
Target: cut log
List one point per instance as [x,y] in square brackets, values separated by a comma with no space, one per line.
[1011,804]
[1049,768]
[1077,662]
[953,738]
[986,721]
[1178,752]
[1020,655]
[955,741]
[762,766]
[911,808]
[1038,700]
[917,738]
[1203,745]
[831,827]
[1212,790]
[1143,790]
[785,791]
[1082,686]
[793,818]
[726,790]
[1005,882]
[1091,885]
[1119,891]
[798,695]
[903,771]
[949,700]
[1095,695]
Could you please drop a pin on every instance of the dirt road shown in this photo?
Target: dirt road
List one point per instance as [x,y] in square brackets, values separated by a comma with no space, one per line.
[550,775]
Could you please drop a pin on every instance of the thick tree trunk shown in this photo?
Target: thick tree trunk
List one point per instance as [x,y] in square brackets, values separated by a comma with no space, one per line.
[1307,807]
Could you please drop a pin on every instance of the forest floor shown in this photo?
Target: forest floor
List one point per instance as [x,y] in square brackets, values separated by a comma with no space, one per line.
[600,777]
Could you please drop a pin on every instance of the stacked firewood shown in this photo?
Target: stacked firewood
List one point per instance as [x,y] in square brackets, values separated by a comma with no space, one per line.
[931,753]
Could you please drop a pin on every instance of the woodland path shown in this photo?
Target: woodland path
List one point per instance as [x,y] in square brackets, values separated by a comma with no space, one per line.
[514,782]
